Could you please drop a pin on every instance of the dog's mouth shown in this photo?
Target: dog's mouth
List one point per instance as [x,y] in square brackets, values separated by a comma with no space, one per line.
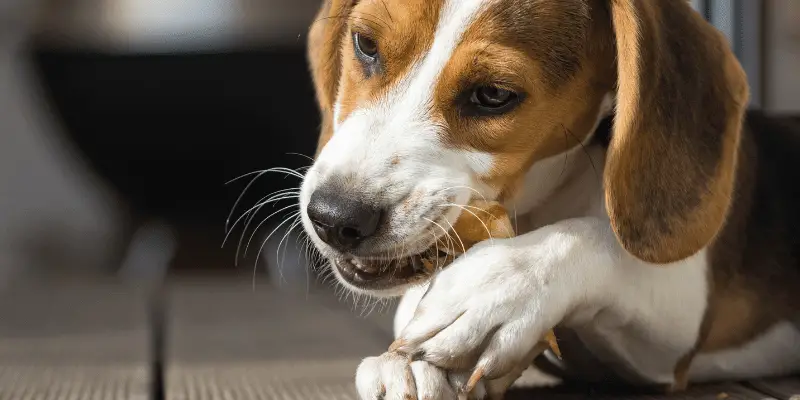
[385,273]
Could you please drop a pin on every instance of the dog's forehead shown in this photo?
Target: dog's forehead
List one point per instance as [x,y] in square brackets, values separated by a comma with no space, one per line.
[419,15]
[421,20]
[416,38]
[434,31]
[424,42]
[419,27]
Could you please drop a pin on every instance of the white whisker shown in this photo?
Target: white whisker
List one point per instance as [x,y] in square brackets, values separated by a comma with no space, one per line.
[250,212]
[241,195]
[258,174]
[466,208]
[453,229]
[244,176]
[282,260]
[468,188]
[261,248]
[516,224]
[302,155]
[446,231]
[239,246]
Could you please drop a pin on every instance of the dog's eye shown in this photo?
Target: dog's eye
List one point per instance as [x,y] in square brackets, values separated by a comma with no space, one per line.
[366,48]
[492,100]
[491,96]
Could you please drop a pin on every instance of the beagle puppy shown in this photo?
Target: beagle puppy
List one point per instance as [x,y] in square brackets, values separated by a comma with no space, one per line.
[656,221]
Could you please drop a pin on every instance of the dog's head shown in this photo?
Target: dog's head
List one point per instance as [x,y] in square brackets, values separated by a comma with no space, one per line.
[429,103]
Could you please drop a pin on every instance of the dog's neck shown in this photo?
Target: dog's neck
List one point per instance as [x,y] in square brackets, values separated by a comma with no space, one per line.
[568,185]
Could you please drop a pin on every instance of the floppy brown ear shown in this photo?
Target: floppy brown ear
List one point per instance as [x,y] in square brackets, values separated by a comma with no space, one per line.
[324,55]
[680,102]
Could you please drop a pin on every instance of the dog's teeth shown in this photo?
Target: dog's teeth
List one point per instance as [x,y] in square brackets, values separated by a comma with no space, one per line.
[361,266]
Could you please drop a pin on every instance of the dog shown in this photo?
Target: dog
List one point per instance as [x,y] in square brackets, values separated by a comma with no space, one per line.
[657,217]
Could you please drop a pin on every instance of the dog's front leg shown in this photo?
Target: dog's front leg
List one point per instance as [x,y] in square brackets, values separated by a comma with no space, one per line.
[490,308]
[486,311]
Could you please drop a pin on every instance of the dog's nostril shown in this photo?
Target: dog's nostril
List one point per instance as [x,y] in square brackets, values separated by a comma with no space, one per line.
[349,233]
[321,229]
[341,221]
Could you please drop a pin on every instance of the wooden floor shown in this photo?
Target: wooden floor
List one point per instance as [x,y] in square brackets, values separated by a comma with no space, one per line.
[73,343]
[224,340]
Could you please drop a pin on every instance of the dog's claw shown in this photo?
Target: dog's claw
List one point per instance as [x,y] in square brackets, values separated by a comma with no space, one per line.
[473,381]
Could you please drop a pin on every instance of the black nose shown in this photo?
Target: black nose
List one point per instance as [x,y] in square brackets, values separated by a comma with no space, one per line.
[340,221]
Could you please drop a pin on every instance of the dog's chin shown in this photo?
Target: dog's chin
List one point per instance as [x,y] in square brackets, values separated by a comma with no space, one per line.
[385,277]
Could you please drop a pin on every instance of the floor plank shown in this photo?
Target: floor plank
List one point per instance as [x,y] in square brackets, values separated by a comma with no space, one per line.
[227,340]
[781,389]
[73,342]
[703,392]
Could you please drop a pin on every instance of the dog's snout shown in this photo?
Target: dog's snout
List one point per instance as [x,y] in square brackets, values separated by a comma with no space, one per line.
[341,221]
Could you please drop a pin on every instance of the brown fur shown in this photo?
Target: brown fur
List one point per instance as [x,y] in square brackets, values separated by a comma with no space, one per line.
[680,174]
[671,193]
[562,98]
[755,274]
[669,173]
[680,101]
[324,44]
[400,34]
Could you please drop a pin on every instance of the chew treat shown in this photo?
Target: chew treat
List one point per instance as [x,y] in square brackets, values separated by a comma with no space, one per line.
[480,220]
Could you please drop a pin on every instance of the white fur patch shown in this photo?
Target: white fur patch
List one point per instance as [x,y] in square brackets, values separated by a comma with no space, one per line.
[652,318]
[337,115]
[398,127]
[775,353]
[568,266]
[408,304]
[479,162]
[545,176]
[398,124]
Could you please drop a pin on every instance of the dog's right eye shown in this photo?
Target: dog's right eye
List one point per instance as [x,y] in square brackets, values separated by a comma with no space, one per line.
[492,97]
[366,48]
[489,100]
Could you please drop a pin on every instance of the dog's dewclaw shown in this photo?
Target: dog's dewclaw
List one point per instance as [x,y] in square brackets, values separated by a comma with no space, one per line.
[552,343]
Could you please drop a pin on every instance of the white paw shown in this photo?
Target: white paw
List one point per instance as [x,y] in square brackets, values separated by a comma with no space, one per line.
[394,377]
[486,312]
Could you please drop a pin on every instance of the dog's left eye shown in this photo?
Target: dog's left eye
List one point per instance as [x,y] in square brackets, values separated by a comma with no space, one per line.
[366,48]
[492,100]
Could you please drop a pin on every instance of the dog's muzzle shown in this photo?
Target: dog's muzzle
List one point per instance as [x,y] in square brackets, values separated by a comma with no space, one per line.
[353,228]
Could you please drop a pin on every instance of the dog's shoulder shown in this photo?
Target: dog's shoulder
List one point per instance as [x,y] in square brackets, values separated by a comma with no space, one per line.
[755,260]
[777,143]
[769,174]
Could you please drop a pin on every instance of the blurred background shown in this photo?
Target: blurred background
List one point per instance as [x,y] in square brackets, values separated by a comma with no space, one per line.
[121,122]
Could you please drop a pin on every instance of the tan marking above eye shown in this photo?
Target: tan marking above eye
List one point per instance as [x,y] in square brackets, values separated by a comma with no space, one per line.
[402,31]
[558,109]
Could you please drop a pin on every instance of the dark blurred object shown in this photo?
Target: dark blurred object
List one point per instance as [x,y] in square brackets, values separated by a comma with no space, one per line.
[169,99]
[169,130]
